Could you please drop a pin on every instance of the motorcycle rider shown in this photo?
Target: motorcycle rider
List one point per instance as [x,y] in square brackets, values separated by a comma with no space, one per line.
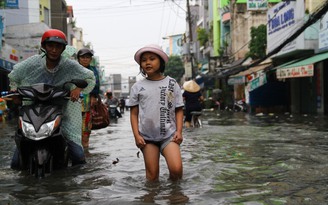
[50,68]
[111,100]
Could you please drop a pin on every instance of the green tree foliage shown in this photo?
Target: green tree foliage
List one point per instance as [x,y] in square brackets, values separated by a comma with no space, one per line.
[2,4]
[174,67]
[258,43]
[202,36]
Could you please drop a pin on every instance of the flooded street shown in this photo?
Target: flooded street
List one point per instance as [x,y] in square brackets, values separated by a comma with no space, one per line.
[235,158]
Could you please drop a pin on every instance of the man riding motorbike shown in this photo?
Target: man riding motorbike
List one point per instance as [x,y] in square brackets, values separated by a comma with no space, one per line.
[112,104]
[49,67]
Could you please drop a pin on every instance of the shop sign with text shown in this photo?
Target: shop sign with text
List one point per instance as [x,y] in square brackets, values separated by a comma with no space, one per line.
[295,72]
[257,82]
[254,5]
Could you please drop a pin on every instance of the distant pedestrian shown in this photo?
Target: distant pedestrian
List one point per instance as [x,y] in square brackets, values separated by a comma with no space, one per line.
[193,99]
[156,108]
[126,104]
[122,105]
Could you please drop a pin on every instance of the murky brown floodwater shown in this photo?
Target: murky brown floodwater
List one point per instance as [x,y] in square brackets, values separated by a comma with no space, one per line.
[234,159]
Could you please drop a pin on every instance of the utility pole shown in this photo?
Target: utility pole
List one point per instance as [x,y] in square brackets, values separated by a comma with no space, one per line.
[190,57]
[189,21]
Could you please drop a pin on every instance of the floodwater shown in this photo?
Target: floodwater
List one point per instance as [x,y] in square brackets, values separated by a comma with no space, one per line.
[235,158]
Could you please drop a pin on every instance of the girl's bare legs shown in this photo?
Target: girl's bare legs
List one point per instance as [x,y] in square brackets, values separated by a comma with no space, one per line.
[151,158]
[173,159]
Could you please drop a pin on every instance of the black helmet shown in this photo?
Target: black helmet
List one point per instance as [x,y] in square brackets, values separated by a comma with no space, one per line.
[84,51]
[108,94]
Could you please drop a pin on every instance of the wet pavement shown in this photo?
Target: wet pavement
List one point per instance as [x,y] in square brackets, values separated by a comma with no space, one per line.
[235,158]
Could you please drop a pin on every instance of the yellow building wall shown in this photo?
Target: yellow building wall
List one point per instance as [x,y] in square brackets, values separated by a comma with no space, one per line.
[43,4]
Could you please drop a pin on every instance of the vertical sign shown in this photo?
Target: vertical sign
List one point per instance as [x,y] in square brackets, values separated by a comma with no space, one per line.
[188,70]
[323,33]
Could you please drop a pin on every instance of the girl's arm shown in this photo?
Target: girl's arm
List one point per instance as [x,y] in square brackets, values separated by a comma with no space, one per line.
[179,119]
[177,138]
[134,119]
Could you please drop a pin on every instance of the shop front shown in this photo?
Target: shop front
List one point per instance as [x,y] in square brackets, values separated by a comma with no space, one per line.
[261,91]
[308,88]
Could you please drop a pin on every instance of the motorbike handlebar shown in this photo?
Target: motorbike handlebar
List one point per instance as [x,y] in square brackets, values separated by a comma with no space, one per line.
[8,93]
[15,93]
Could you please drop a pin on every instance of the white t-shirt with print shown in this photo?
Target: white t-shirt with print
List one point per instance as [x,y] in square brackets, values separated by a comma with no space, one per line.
[157,101]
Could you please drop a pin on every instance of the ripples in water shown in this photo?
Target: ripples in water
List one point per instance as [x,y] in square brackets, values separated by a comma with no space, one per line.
[234,159]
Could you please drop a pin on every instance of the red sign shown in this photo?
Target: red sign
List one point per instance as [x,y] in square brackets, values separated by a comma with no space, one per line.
[13,57]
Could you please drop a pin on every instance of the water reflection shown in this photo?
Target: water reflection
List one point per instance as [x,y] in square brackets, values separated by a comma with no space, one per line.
[165,192]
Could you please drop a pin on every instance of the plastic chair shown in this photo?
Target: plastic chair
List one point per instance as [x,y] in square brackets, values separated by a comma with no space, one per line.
[196,119]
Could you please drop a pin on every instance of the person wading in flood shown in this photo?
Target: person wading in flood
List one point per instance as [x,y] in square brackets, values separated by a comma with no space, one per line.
[193,99]
[84,57]
[156,114]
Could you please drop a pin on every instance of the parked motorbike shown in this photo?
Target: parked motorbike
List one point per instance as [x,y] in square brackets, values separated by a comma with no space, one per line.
[38,138]
[240,106]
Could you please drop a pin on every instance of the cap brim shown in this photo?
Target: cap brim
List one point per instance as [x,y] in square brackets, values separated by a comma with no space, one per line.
[83,53]
[56,39]
[157,51]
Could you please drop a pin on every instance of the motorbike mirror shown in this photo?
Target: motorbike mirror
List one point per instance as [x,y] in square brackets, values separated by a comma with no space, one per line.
[79,83]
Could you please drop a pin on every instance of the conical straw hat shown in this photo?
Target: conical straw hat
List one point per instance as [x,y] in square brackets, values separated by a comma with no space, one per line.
[191,86]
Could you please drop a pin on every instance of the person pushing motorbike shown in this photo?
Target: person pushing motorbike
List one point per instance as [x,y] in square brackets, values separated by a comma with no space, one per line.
[50,68]
[84,57]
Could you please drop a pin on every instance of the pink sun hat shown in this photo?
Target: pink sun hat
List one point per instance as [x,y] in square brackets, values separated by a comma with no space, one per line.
[151,48]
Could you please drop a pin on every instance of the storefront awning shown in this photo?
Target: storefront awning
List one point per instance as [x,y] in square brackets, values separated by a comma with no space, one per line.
[303,68]
[235,67]
[252,70]
[240,77]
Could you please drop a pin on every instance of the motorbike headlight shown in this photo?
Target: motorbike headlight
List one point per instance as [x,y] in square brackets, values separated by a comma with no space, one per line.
[45,130]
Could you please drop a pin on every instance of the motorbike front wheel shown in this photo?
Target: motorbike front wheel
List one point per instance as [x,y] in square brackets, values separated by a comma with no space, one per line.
[31,164]
[35,169]
[40,163]
[40,171]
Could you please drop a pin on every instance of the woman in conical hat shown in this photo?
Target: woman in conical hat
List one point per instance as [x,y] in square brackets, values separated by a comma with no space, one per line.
[192,98]
[191,86]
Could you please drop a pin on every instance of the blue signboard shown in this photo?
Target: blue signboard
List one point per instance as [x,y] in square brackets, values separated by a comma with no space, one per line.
[12,4]
[6,64]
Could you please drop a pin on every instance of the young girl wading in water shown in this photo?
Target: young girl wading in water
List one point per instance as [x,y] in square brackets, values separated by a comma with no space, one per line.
[156,114]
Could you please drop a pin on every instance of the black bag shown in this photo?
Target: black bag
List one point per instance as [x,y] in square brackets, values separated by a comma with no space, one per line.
[100,115]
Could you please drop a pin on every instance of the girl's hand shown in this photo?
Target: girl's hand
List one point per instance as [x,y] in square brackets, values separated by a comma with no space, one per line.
[177,138]
[140,142]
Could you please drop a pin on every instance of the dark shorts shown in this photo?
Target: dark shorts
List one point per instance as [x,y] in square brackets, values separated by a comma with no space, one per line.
[160,144]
